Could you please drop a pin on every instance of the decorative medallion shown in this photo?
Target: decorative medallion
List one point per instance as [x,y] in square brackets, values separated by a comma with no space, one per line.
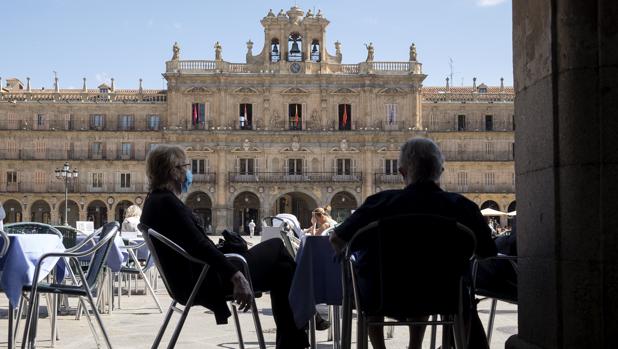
[211,189]
[344,145]
[295,67]
[110,200]
[139,200]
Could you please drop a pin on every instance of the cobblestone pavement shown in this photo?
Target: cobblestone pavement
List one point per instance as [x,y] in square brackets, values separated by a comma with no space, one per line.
[136,323]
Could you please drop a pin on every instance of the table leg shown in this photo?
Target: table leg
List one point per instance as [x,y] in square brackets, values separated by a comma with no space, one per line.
[346,327]
[11,339]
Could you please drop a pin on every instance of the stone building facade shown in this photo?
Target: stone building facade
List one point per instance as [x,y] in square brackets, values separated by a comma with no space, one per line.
[290,129]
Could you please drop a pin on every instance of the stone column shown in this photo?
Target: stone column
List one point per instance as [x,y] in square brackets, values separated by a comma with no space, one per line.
[221,208]
[566,71]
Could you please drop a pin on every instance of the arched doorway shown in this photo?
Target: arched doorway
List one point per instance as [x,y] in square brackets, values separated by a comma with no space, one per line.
[97,213]
[511,219]
[342,205]
[298,204]
[121,208]
[40,212]
[13,211]
[246,208]
[72,212]
[490,204]
[201,204]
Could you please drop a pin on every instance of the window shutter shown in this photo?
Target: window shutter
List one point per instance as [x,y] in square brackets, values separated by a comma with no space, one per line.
[256,165]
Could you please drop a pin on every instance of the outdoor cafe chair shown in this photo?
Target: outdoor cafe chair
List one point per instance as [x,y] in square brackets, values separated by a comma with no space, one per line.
[15,314]
[436,270]
[158,243]
[133,266]
[87,283]
[494,295]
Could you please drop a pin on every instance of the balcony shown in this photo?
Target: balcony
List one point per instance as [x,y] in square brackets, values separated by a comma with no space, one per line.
[478,156]
[384,178]
[208,177]
[285,177]
[479,188]
[82,186]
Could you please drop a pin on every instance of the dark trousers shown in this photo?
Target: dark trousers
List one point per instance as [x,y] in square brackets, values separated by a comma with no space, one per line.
[272,269]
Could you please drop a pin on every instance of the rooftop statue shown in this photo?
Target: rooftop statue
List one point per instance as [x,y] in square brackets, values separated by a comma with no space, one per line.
[176,52]
[413,53]
[217,51]
[270,13]
[309,13]
[319,15]
[369,52]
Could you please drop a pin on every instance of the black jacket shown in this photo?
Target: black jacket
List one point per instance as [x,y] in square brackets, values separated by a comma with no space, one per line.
[421,198]
[166,214]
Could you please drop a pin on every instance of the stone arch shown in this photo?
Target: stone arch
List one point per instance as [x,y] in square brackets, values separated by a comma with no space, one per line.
[246,207]
[342,204]
[512,206]
[295,51]
[298,203]
[72,212]
[40,211]
[120,209]
[490,204]
[13,211]
[201,204]
[97,213]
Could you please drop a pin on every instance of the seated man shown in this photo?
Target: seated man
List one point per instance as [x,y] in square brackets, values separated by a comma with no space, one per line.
[421,166]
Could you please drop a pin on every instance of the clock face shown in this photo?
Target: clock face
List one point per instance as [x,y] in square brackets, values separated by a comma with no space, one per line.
[295,67]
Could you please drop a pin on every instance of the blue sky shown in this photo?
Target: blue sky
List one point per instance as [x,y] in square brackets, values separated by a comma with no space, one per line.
[129,39]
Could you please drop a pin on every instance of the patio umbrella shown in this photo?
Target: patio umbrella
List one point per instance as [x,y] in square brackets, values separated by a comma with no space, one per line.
[512,214]
[491,212]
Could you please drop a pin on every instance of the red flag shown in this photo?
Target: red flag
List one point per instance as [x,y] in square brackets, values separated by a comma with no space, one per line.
[345,116]
[296,116]
[194,114]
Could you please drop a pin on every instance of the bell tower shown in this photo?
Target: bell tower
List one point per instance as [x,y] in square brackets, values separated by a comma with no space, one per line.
[293,36]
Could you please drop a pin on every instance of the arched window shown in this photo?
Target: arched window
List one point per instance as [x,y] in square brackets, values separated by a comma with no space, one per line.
[315,51]
[275,53]
[295,44]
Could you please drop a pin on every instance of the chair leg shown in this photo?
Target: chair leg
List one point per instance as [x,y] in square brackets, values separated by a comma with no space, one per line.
[432,344]
[447,333]
[258,324]
[329,334]
[312,333]
[361,332]
[93,330]
[166,321]
[179,325]
[20,310]
[336,326]
[97,316]
[151,290]
[390,331]
[29,320]
[10,338]
[492,315]
[241,343]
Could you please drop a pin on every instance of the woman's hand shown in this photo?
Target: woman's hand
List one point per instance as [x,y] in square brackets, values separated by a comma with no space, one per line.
[242,291]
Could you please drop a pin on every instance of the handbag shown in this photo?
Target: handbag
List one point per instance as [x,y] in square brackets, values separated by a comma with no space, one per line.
[232,242]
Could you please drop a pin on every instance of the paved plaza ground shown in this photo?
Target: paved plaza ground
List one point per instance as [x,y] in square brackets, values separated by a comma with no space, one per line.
[136,323]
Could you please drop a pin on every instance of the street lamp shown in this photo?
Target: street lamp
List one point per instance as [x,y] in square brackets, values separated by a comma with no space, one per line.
[67,175]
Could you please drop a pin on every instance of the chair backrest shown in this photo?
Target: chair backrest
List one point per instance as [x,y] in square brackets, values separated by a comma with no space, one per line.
[5,243]
[69,235]
[101,251]
[160,246]
[31,228]
[429,252]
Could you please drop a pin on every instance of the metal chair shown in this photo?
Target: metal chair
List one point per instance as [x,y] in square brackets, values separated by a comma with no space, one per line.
[157,243]
[134,267]
[31,228]
[88,283]
[494,295]
[434,251]
[69,235]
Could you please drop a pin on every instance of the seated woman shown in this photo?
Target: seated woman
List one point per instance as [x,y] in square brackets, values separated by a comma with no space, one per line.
[270,265]
[321,221]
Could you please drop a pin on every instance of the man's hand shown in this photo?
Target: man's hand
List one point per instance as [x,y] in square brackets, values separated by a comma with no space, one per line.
[338,244]
[242,291]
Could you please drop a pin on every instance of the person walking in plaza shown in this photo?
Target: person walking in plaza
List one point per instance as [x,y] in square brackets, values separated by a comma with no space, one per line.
[421,165]
[251,228]
[271,267]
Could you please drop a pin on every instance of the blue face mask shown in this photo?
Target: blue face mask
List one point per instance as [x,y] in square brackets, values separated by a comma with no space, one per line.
[188,180]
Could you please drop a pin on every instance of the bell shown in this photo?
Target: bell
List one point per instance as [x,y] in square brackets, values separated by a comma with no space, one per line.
[314,49]
[275,48]
[295,49]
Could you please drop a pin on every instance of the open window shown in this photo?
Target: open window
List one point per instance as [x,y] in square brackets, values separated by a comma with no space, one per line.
[315,51]
[275,53]
[295,116]
[198,116]
[345,117]
[246,116]
[295,44]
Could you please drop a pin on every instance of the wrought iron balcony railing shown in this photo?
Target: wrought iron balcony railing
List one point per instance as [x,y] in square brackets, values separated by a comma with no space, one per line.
[287,177]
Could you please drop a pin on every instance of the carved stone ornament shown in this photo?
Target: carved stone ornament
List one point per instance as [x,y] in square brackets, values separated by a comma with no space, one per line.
[344,144]
[295,144]
[246,145]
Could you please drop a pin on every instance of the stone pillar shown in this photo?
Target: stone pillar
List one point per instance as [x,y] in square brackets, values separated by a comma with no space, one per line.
[221,208]
[565,66]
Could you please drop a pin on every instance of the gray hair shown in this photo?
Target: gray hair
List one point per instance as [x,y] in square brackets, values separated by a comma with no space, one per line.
[421,159]
[163,167]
